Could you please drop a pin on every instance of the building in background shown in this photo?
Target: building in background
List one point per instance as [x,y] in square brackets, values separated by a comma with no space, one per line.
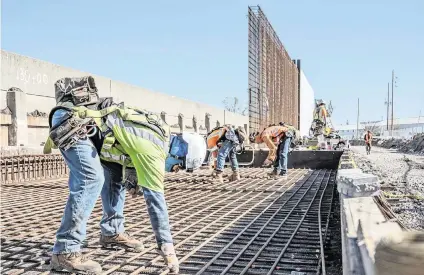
[402,128]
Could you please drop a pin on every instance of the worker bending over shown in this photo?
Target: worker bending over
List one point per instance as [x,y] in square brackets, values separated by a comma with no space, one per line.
[186,151]
[223,141]
[368,141]
[283,135]
[107,146]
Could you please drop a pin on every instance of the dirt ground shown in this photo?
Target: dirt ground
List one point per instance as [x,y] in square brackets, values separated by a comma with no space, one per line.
[403,174]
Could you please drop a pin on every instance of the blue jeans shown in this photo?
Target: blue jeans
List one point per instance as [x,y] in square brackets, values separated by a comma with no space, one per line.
[227,149]
[87,180]
[280,163]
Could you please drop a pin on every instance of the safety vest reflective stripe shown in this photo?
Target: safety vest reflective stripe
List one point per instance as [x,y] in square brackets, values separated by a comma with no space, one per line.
[114,120]
[108,155]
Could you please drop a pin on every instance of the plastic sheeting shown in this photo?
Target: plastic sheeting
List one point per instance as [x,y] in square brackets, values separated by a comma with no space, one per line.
[196,150]
[307,105]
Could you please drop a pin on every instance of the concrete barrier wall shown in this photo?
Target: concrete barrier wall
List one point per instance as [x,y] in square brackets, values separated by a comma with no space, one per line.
[36,78]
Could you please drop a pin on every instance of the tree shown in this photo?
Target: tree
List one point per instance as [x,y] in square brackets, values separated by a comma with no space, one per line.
[232,104]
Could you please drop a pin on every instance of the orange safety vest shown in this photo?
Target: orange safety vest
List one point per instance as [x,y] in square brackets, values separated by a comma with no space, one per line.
[214,136]
[274,132]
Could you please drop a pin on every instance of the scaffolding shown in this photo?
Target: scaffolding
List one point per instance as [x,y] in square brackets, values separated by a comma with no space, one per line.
[273,76]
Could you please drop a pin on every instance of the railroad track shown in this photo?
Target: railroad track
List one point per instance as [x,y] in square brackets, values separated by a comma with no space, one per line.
[252,226]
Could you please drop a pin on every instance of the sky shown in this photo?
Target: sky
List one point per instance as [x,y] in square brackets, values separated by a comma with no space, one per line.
[198,49]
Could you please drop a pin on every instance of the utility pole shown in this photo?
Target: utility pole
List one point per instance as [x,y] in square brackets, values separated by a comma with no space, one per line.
[357,122]
[388,104]
[393,103]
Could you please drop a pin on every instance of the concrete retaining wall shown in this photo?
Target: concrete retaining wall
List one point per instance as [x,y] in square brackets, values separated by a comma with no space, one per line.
[35,78]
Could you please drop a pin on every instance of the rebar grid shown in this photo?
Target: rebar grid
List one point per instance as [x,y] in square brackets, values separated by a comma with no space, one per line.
[273,76]
[205,218]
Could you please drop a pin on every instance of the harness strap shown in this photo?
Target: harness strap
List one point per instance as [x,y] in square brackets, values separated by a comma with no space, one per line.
[139,118]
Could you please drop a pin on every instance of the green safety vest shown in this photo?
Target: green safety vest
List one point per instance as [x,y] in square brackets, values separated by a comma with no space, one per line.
[131,139]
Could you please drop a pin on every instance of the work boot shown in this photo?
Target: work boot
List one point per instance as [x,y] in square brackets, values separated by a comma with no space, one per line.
[235,176]
[217,175]
[121,240]
[167,251]
[283,174]
[274,172]
[74,262]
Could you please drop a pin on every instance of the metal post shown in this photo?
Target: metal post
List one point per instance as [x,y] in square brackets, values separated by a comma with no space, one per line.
[357,123]
[393,102]
[388,104]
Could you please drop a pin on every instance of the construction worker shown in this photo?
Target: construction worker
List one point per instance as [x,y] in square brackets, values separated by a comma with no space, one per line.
[283,135]
[321,114]
[222,142]
[368,141]
[319,125]
[186,151]
[105,145]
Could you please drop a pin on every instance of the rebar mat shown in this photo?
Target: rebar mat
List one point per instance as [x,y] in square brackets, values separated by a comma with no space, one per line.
[255,225]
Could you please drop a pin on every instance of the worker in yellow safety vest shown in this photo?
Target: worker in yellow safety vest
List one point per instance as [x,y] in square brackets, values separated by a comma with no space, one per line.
[108,148]
[320,120]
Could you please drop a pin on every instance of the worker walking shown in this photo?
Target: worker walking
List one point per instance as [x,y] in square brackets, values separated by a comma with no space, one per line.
[368,141]
[108,148]
[222,142]
[283,135]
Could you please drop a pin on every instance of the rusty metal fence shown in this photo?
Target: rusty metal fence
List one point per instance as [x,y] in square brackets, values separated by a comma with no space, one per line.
[273,76]
[32,167]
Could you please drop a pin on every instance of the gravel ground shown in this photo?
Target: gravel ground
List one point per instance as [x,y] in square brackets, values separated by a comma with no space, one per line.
[404,173]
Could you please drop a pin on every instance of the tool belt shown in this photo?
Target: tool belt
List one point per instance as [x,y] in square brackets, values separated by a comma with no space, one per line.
[70,130]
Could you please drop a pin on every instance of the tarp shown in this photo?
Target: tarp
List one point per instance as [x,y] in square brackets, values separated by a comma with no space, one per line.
[307,105]
[196,150]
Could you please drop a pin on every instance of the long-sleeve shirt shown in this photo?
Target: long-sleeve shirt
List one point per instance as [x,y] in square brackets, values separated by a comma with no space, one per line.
[270,136]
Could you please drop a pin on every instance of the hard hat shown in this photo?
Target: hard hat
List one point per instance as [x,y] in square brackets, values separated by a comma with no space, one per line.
[323,102]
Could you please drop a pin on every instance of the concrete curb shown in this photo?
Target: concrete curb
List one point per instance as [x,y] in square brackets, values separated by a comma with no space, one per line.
[362,223]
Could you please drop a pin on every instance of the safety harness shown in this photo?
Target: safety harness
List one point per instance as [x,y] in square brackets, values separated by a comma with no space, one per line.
[81,123]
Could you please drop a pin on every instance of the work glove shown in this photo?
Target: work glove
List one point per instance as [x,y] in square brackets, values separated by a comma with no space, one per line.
[131,185]
[267,162]
[133,189]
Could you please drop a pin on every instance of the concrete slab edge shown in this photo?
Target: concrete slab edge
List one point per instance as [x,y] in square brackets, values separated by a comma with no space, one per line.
[362,223]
